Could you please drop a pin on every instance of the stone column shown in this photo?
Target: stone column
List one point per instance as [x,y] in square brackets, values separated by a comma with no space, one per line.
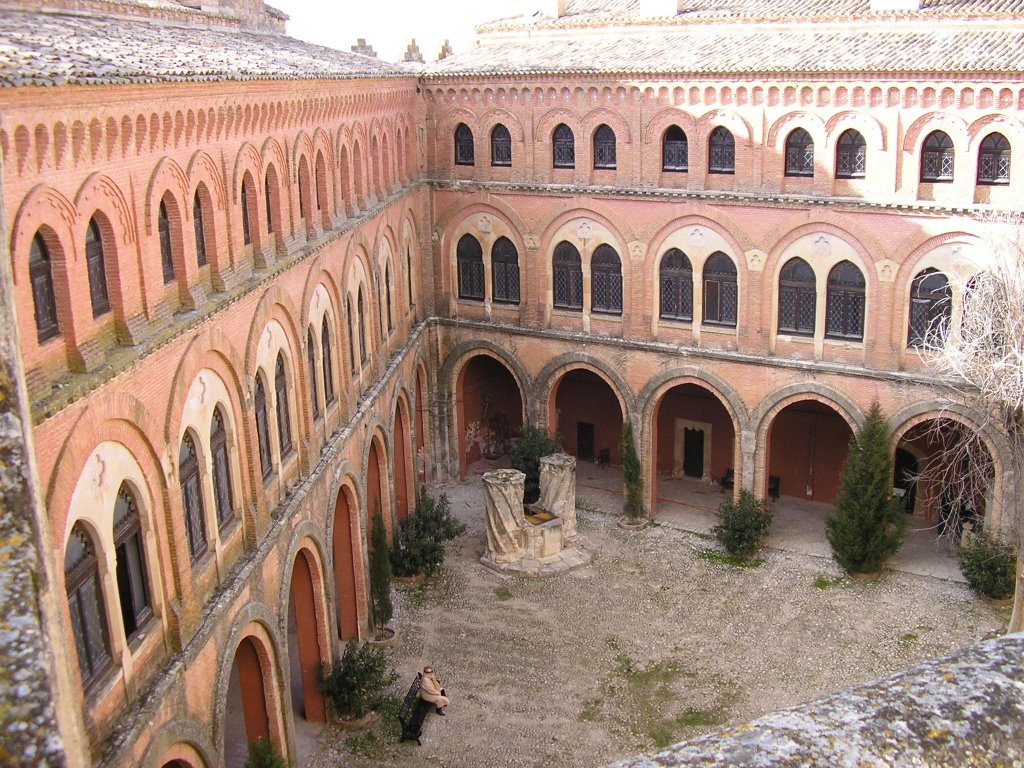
[558,490]
[503,495]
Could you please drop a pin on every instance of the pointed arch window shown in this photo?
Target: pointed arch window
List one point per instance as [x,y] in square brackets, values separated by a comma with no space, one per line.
[41,277]
[303,182]
[568,276]
[844,306]
[362,328]
[222,495]
[674,150]
[505,271]
[563,147]
[284,422]
[937,156]
[501,146]
[268,194]
[318,179]
[192,498]
[351,336]
[132,584]
[676,277]
[246,213]
[200,232]
[994,160]
[470,259]
[721,151]
[262,431]
[85,604]
[796,298]
[851,155]
[408,274]
[326,362]
[463,145]
[388,288]
[604,147]
[311,363]
[930,308]
[606,281]
[721,292]
[96,268]
[166,254]
[799,153]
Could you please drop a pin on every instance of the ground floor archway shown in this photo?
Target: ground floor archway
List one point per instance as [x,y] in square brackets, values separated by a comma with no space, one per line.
[587,414]
[304,650]
[489,409]
[342,554]
[246,717]
[807,445]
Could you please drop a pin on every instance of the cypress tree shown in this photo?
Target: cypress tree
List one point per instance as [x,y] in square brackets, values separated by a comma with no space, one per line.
[634,507]
[380,574]
[867,526]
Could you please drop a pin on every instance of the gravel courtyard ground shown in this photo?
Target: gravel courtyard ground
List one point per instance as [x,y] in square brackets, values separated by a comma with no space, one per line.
[654,642]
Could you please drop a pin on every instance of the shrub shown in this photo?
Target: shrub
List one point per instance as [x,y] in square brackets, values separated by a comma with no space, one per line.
[357,682]
[421,536]
[743,524]
[989,564]
[868,524]
[380,575]
[533,444]
[263,754]
[631,475]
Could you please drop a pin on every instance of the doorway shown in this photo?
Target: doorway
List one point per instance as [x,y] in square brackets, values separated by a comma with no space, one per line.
[693,452]
[584,441]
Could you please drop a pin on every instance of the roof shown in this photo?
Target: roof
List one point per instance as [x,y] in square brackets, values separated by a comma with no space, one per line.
[59,49]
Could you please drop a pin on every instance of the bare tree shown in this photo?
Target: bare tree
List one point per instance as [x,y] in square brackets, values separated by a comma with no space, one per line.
[981,354]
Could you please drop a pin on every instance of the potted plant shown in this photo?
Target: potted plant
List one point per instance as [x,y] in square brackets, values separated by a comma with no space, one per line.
[355,685]
[421,537]
[380,580]
[989,563]
[743,524]
[633,506]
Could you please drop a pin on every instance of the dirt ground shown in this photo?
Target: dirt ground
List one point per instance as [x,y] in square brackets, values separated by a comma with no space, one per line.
[656,641]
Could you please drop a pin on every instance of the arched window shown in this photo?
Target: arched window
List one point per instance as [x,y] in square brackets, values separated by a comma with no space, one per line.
[284,422]
[505,271]
[676,276]
[408,274]
[604,147]
[303,183]
[247,212]
[501,146]
[262,432]
[192,498]
[721,151]
[388,288]
[132,584]
[222,497]
[469,256]
[200,232]
[563,147]
[311,363]
[351,336]
[97,269]
[994,160]
[844,306]
[166,256]
[799,153]
[674,150]
[41,278]
[463,145]
[851,155]
[721,293]
[85,604]
[320,181]
[796,298]
[930,308]
[326,361]
[268,194]
[568,276]
[606,281]
[937,158]
[363,352]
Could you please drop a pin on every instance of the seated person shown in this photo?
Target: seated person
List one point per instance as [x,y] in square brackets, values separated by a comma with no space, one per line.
[431,690]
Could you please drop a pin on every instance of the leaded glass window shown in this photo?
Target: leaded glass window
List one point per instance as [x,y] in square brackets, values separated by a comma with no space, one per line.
[41,277]
[463,145]
[930,308]
[851,156]
[85,604]
[796,298]
[192,498]
[844,307]
[721,293]
[606,281]
[505,271]
[563,147]
[222,496]
[994,160]
[470,260]
[604,147]
[937,158]
[568,276]
[166,254]
[132,584]
[501,146]
[799,153]
[721,151]
[676,278]
[262,430]
[674,150]
[311,363]
[326,361]
[200,233]
[284,422]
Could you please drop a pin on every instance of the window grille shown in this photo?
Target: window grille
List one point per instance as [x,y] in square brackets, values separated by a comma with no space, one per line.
[851,156]
[930,308]
[246,215]
[262,431]
[470,259]
[937,158]
[222,496]
[501,146]
[799,153]
[463,145]
[604,147]
[721,293]
[796,298]
[721,151]
[166,256]
[97,270]
[505,271]
[674,150]
[284,424]
[676,277]
[132,584]
[326,360]
[85,604]
[994,160]
[192,498]
[41,278]
[606,281]
[200,233]
[563,147]
[268,193]
[568,277]
[844,307]
[311,364]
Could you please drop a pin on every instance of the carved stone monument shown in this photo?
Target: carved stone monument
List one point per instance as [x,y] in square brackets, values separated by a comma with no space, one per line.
[503,496]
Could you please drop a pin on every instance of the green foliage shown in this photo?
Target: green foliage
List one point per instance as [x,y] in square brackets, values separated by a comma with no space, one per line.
[734,561]
[422,535]
[989,564]
[533,444]
[263,754]
[868,524]
[634,504]
[357,682]
[380,574]
[827,582]
[743,524]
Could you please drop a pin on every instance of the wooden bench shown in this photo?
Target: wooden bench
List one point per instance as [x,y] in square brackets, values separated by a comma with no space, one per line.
[413,711]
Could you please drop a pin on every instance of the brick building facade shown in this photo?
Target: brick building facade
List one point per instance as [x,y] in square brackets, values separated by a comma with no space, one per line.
[264,287]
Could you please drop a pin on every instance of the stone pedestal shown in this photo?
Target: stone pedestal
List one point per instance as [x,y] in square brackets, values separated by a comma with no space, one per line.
[558,491]
[503,496]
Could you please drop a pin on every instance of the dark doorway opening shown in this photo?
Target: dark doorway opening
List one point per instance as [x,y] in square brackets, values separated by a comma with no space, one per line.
[693,452]
[905,478]
[584,441]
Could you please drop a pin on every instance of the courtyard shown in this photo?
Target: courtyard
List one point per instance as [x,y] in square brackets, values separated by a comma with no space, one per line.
[657,640]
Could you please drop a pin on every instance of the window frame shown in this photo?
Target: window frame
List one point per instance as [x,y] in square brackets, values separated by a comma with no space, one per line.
[930,307]
[469,260]
[799,153]
[40,271]
[86,606]
[796,291]
[505,285]
[262,427]
[284,416]
[851,155]
[720,279]
[841,294]
[135,601]
[223,495]
[166,246]
[199,228]
[190,485]
[603,143]
[311,363]
[606,276]
[326,362]
[997,156]
[95,261]
[564,143]
[465,153]
[723,143]
[681,148]
[501,146]
[678,281]
[937,154]
[567,262]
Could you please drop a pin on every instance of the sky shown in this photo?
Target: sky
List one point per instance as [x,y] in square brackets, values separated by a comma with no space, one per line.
[387,26]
